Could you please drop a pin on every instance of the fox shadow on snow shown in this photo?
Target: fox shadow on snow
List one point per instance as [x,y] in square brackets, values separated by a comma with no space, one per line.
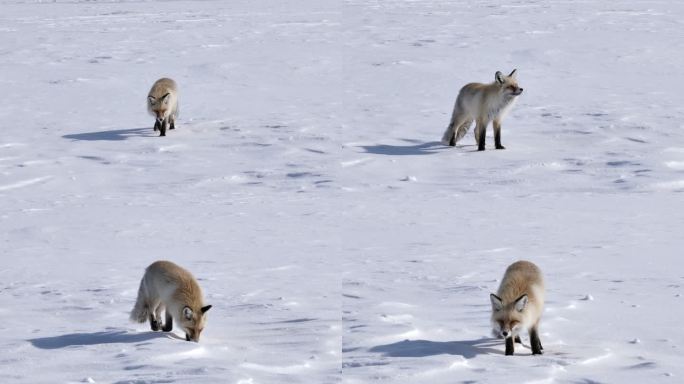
[112,135]
[95,338]
[416,147]
[423,348]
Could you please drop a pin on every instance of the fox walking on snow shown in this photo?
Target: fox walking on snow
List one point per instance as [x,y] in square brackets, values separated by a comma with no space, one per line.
[162,103]
[482,103]
[518,305]
[170,288]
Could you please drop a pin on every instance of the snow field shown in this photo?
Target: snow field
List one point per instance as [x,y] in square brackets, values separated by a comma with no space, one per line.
[305,187]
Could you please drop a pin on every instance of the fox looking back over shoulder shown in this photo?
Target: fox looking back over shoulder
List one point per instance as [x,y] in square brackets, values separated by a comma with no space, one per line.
[482,103]
[170,288]
[518,305]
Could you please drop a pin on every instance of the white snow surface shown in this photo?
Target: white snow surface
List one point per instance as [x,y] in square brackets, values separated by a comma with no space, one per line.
[337,240]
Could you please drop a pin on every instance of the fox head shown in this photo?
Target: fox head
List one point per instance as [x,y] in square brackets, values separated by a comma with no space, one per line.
[507,318]
[509,84]
[160,106]
[192,322]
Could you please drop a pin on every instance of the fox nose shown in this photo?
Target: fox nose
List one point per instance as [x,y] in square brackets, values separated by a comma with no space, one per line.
[520,90]
[505,333]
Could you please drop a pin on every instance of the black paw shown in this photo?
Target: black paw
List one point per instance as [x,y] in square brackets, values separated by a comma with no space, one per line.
[155,325]
[187,337]
[500,147]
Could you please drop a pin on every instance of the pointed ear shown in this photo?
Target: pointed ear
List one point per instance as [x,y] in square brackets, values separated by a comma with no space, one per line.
[496,302]
[512,73]
[206,308]
[499,77]
[187,313]
[165,98]
[151,99]
[521,303]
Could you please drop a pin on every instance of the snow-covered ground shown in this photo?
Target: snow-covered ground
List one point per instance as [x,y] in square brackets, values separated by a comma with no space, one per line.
[305,188]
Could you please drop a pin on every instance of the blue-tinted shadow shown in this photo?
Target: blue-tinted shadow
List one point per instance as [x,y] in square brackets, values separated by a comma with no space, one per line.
[416,149]
[423,348]
[94,338]
[113,135]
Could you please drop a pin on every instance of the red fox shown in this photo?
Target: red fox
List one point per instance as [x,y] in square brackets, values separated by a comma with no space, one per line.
[162,103]
[166,286]
[518,305]
[482,103]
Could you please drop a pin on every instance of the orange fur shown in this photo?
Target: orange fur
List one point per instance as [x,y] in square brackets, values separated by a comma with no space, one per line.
[519,302]
[170,288]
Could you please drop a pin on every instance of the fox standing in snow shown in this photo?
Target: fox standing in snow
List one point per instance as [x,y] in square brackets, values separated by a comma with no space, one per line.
[162,103]
[166,286]
[482,103]
[518,305]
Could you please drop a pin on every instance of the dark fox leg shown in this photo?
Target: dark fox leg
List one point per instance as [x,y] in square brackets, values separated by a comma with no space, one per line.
[172,122]
[517,340]
[156,125]
[168,324]
[480,134]
[497,134]
[162,128]
[535,342]
[510,346]
[154,324]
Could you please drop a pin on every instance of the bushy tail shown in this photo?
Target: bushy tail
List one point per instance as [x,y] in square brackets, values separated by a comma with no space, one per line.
[462,130]
[140,312]
[455,131]
[449,132]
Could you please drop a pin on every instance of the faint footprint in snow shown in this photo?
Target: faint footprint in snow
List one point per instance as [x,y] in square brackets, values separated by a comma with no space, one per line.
[644,365]
[296,175]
